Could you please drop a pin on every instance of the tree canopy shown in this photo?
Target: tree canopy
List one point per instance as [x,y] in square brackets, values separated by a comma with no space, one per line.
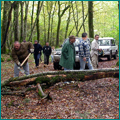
[53,21]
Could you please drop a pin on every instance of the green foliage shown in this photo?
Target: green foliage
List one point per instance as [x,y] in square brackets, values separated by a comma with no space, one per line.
[117,64]
[26,100]
[52,80]
[42,79]
[2,59]
[8,51]
[9,59]
[11,103]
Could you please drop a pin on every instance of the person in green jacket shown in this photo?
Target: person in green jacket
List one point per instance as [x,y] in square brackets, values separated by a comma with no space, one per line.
[67,59]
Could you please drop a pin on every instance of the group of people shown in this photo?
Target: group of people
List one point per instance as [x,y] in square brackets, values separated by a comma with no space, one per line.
[21,50]
[85,55]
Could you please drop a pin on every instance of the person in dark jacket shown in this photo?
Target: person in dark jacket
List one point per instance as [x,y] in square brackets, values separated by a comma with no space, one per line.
[37,52]
[46,51]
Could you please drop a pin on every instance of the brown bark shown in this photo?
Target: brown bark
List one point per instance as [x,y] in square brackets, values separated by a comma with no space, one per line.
[22,24]
[16,21]
[37,25]
[90,19]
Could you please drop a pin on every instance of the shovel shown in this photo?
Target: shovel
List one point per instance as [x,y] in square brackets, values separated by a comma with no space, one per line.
[22,71]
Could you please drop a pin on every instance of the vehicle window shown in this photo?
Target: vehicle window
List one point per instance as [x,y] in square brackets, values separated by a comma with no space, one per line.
[112,42]
[104,42]
[76,42]
[76,48]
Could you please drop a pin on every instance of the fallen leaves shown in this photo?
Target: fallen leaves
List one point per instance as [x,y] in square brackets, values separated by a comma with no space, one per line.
[97,99]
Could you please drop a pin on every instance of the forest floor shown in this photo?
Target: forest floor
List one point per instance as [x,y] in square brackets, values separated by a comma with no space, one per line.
[98,99]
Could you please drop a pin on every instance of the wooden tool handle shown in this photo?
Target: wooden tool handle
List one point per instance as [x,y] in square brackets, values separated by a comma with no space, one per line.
[25,59]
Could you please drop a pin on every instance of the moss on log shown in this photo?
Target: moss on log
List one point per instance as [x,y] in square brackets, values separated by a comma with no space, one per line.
[70,75]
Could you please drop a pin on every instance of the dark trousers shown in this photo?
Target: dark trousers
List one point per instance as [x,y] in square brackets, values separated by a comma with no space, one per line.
[36,57]
[46,59]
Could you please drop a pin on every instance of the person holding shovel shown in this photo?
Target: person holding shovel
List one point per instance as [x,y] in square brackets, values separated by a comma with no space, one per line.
[20,53]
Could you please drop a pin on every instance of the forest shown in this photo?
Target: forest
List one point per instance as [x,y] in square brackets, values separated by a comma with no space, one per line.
[47,93]
[53,21]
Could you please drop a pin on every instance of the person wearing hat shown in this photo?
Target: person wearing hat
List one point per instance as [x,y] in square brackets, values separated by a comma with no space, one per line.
[37,52]
[67,59]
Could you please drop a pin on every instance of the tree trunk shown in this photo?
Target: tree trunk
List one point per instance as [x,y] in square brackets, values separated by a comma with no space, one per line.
[113,72]
[58,26]
[44,25]
[52,41]
[4,24]
[59,20]
[22,24]
[16,21]
[90,19]
[35,21]
[82,23]
[37,25]
[83,15]
[49,10]
[118,5]
[32,19]
[68,22]
[25,19]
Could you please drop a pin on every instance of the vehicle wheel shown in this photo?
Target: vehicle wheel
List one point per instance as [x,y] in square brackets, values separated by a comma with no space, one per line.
[57,66]
[98,59]
[115,56]
[110,56]
[77,66]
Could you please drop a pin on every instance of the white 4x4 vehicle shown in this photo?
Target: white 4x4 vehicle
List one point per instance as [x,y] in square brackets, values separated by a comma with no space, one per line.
[109,47]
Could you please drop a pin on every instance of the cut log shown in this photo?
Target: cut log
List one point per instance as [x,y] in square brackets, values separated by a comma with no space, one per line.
[40,91]
[42,94]
[109,72]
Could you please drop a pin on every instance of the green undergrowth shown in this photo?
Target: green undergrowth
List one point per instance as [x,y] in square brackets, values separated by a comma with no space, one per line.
[117,64]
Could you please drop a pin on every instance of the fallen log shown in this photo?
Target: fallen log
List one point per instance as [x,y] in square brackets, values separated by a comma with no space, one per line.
[95,74]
